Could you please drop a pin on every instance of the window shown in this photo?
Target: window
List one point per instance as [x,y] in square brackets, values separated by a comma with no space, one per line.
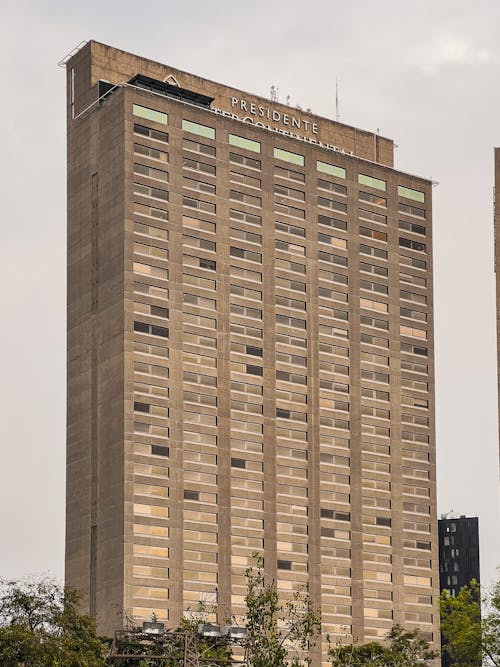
[404,260]
[196,128]
[289,229]
[413,245]
[152,134]
[376,200]
[412,210]
[153,153]
[245,179]
[200,205]
[241,216]
[159,450]
[196,147]
[245,254]
[332,169]
[289,192]
[372,182]
[250,200]
[287,156]
[245,161]
[374,252]
[409,193]
[332,204]
[151,172]
[332,222]
[195,242]
[148,191]
[241,142]
[150,114]
[332,187]
[291,248]
[200,186]
[254,370]
[250,237]
[289,210]
[364,214]
[333,259]
[412,227]
[143,327]
[374,287]
[195,165]
[383,521]
[290,174]
[373,234]
[284,565]
[246,292]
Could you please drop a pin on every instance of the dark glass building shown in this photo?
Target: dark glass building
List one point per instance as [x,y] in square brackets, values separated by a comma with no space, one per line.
[458,557]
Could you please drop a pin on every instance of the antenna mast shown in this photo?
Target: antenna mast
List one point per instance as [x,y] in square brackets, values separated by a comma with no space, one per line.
[337,109]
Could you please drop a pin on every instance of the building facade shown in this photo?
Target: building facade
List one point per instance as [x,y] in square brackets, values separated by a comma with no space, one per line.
[250,355]
[458,558]
[458,552]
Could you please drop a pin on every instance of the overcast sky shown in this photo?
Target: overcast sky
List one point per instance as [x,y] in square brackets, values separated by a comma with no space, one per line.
[424,73]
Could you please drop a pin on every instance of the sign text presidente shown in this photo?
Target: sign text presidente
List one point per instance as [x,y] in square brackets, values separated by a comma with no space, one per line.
[274,115]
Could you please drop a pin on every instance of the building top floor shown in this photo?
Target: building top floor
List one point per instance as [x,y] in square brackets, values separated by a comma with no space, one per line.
[95,62]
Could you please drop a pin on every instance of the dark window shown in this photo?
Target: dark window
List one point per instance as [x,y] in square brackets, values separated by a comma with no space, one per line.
[284,565]
[327,514]
[191,495]
[148,132]
[238,463]
[423,545]
[159,450]
[141,407]
[414,245]
[283,414]
[383,521]
[143,327]
[255,370]
[255,351]
[159,331]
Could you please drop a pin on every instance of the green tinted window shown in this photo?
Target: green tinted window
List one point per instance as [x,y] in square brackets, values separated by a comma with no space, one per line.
[371,182]
[241,142]
[331,169]
[416,195]
[150,114]
[294,158]
[196,128]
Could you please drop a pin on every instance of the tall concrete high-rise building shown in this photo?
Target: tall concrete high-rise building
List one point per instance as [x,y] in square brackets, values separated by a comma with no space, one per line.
[250,355]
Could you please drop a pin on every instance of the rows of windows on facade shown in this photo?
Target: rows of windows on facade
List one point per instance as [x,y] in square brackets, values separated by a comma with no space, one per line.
[322,282]
[291,361]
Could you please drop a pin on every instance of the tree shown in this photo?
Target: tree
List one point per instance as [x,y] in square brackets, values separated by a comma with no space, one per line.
[471,638]
[403,649]
[40,626]
[461,625]
[276,630]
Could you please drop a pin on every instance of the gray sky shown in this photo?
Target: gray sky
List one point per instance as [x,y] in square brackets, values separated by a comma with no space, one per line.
[425,73]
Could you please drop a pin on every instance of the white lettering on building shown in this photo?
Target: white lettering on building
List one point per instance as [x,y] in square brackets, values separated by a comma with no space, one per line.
[300,123]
